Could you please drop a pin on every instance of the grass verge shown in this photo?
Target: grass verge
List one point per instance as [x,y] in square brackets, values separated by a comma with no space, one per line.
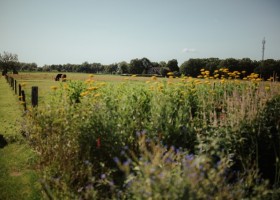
[18,179]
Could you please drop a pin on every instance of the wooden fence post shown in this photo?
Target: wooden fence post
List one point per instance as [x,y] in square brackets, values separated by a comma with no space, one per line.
[19,91]
[23,99]
[11,81]
[15,87]
[34,97]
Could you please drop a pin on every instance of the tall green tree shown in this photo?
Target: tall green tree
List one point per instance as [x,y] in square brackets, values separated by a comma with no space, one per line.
[230,63]
[122,68]
[136,66]
[8,62]
[173,65]
[192,67]
[268,68]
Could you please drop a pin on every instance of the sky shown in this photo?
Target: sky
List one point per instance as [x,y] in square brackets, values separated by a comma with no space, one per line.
[110,31]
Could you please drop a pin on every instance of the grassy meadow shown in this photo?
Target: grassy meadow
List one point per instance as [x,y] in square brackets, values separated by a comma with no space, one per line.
[129,137]
[18,177]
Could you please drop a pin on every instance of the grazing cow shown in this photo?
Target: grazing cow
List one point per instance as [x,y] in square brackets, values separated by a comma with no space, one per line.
[58,76]
[63,77]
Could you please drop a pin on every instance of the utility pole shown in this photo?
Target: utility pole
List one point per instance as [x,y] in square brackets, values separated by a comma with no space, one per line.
[263,47]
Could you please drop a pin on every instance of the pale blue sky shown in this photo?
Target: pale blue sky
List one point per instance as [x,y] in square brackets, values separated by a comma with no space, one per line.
[110,31]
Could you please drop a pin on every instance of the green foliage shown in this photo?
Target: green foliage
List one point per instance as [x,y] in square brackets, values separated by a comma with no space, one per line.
[162,173]
[262,138]
[74,90]
[77,142]
[173,65]
[192,67]
[269,68]
[8,62]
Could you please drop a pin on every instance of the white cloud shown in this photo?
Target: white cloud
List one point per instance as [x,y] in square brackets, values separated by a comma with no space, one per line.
[188,50]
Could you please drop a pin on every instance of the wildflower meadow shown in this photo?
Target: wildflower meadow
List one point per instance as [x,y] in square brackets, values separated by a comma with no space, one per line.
[212,137]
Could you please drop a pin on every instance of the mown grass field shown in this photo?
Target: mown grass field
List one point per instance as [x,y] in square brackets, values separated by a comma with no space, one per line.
[45,81]
[116,137]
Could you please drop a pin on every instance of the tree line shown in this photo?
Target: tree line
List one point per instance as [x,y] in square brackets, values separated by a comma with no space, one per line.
[191,67]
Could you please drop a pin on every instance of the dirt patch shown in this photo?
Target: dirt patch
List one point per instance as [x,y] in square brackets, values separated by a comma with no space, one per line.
[15,173]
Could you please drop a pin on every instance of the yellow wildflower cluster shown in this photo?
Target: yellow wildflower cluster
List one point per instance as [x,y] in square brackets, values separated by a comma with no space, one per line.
[92,87]
[253,77]
[224,73]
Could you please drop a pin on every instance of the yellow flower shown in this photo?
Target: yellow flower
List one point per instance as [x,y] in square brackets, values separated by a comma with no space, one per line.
[267,88]
[202,70]
[270,79]
[88,81]
[54,87]
[154,78]
[102,84]
[83,94]
[65,86]
[170,74]
[92,88]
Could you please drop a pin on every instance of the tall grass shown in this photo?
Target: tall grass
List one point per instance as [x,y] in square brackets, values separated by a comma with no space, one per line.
[83,136]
